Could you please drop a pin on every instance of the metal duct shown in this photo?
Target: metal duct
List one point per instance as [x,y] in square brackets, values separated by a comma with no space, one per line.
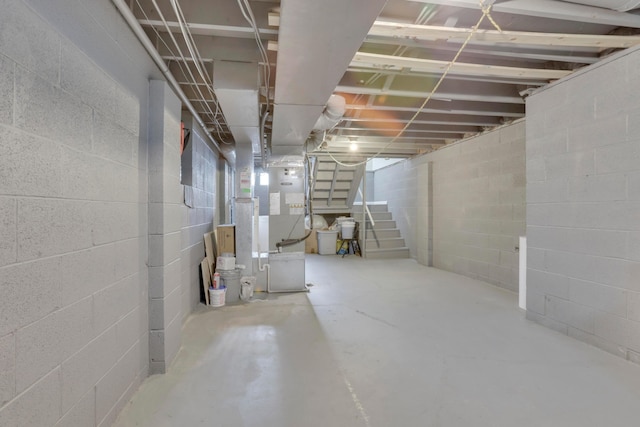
[619,5]
[312,60]
[332,114]
[236,87]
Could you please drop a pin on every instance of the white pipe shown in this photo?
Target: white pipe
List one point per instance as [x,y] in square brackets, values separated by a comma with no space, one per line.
[153,53]
[261,267]
[365,210]
[333,112]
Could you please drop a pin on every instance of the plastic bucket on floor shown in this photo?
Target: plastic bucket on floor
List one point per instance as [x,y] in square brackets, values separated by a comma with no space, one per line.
[231,280]
[347,229]
[217,296]
[327,242]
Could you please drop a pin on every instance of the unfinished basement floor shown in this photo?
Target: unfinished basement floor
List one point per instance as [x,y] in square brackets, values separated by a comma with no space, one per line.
[384,343]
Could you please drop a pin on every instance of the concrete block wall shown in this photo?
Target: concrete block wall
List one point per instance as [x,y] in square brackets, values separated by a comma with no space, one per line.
[202,216]
[475,191]
[479,205]
[399,186]
[73,227]
[165,234]
[583,205]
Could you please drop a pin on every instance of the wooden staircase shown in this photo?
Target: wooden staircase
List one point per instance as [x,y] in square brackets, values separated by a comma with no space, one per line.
[334,186]
[383,240]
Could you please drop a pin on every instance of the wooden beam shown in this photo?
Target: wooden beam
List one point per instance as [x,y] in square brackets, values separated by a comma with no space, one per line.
[376,61]
[432,33]
[551,9]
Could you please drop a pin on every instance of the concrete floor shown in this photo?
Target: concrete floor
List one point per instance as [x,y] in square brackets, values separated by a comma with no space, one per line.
[384,343]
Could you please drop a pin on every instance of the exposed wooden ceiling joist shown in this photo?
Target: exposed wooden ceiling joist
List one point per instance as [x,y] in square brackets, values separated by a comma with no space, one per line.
[550,9]
[383,62]
[398,30]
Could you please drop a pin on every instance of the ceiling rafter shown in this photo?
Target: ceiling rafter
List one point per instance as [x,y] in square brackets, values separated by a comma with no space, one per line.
[550,9]
[384,62]
[432,33]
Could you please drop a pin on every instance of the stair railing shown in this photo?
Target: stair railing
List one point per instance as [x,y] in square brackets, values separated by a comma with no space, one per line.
[366,208]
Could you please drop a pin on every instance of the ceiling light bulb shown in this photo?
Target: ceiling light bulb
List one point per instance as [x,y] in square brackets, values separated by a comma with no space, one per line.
[353,147]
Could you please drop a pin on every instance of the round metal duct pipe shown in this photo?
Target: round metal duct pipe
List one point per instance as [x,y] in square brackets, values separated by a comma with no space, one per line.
[333,112]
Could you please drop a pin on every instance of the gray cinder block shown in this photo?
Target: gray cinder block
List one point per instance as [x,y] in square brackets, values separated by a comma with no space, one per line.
[23,300]
[82,413]
[7,368]
[30,166]
[28,40]
[545,283]
[8,245]
[605,298]
[597,188]
[571,314]
[44,395]
[82,78]
[46,343]
[6,90]
[115,382]
[49,227]
[128,256]
[113,302]
[597,133]
[127,331]
[127,110]
[113,141]
[48,111]
[86,272]
[618,158]
[164,279]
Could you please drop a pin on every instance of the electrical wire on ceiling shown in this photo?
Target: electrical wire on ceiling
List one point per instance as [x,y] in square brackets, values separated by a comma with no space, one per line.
[185,69]
[486,13]
[197,59]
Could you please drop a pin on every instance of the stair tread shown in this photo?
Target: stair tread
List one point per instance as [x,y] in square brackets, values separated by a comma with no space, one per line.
[402,248]
[369,203]
[388,253]
[380,239]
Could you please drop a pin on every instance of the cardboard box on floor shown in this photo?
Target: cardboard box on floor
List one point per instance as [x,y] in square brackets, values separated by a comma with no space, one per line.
[311,244]
[226,238]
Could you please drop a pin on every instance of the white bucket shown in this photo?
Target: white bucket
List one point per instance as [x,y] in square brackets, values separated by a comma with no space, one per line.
[226,262]
[347,229]
[216,296]
[327,240]
[231,281]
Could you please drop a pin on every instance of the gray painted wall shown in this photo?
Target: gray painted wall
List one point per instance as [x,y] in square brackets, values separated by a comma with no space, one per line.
[583,205]
[201,217]
[73,196]
[399,186]
[76,185]
[165,202]
[477,204]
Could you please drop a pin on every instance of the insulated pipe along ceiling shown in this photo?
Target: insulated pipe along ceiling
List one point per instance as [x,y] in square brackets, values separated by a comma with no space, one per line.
[333,112]
[619,5]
